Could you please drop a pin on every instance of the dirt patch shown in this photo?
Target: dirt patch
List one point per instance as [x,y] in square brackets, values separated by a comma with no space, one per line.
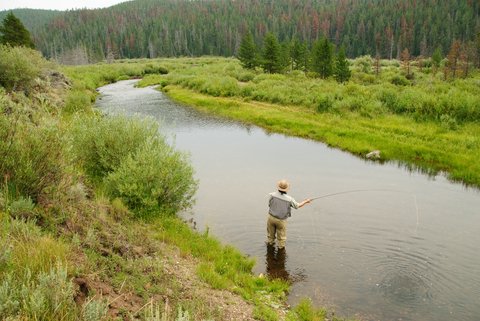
[183,269]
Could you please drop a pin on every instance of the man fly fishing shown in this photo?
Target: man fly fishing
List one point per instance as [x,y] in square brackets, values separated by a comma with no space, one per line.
[280,205]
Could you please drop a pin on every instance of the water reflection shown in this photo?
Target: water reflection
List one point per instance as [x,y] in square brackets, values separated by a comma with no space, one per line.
[276,266]
[275,262]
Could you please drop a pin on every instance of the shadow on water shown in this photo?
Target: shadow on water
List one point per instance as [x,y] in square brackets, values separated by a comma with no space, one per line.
[275,262]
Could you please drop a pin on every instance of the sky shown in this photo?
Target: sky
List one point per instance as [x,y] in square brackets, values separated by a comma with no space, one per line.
[56,4]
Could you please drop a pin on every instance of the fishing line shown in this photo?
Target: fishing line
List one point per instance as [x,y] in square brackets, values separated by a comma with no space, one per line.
[358,191]
[373,190]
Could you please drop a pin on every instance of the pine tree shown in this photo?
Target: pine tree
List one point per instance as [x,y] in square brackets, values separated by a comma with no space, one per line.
[342,72]
[247,54]
[322,58]
[271,54]
[436,59]
[13,32]
[298,54]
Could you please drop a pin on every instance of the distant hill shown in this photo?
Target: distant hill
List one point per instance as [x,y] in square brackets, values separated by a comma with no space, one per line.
[151,28]
[32,19]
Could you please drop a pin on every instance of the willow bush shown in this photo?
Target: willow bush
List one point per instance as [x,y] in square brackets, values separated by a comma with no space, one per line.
[19,67]
[134,163]
[156,179]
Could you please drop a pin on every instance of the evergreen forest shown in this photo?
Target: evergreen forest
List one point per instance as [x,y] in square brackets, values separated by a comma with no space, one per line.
[171,28]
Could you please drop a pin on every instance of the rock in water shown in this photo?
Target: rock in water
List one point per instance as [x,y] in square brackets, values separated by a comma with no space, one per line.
[373,155]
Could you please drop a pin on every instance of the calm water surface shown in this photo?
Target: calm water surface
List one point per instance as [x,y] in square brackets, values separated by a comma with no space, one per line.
[406,251]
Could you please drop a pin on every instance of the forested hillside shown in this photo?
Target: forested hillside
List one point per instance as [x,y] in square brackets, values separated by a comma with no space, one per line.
[151,28]
[32,18]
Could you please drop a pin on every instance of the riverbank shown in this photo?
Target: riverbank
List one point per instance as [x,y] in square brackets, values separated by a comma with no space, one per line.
[426,124]
[76,246]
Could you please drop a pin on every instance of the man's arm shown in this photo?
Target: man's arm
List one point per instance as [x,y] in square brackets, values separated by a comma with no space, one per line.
[304,202]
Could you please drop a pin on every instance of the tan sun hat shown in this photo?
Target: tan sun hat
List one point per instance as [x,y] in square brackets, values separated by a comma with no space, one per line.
[283,185]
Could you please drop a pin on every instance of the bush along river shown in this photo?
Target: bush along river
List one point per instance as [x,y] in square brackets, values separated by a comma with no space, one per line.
[404,246]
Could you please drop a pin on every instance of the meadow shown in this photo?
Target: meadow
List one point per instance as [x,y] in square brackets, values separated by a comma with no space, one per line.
[421,121]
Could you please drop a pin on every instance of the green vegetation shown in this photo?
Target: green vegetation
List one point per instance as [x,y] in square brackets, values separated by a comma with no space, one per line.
[19,70]
[13,32]
[73,244]
[247,54]
[271,58]
[423,122]
[322,58]
[341,68]
[194,28]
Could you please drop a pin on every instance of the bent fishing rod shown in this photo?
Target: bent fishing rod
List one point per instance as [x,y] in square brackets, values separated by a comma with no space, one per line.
[373,190]
[358,191]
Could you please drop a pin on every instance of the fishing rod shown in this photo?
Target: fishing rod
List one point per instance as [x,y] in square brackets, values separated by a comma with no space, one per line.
[373,190]
[357,191]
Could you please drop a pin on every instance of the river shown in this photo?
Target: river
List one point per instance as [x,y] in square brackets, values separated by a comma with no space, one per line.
[403,248]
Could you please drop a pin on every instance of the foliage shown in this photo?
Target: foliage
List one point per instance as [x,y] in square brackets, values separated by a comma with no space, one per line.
[364,64]
[271,61]
[34,161]
[101,144]
[153,180]
[322,58]
[22,207]
[46,296]
[299,55]
[437,57]
[13,32]
[304,311]
[77,101]
[94,310]
[400,80]
[152,69]
[196,28]
[19,67]
[247,54]
[342,71]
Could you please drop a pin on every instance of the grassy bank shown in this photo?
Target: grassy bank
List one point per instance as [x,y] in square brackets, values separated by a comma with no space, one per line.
[84,235]
[423,122]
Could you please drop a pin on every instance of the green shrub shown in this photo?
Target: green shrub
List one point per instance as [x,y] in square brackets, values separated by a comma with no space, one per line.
[399,80]
[19,67]
[224,86]
[77,100]
[22,207]
[100,144]
[324,103]
[388,97]
[448,122]
[151,69]
[94,310]
[46,296]
[245,76]
[34,157]
[305,311]
[364,64]
[156,179]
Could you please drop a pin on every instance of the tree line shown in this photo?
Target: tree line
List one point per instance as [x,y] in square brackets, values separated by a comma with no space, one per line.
[153,28]
[277,57]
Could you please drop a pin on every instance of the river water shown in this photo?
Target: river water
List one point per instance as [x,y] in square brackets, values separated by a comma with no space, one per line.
[405,249]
